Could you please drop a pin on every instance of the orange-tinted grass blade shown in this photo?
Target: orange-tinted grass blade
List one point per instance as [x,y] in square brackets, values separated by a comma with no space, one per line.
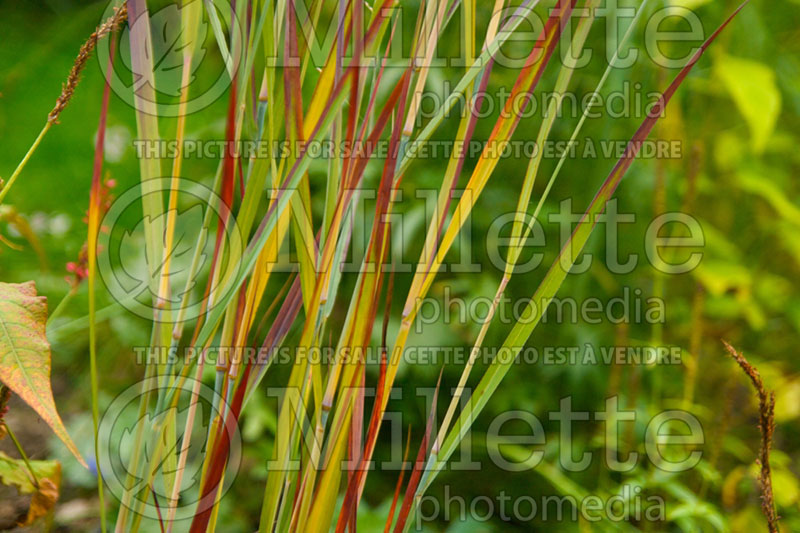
[380,124]
[501,134]
[226,195]
[277,332]
[419,464]
[279,299]
[390,516]
[374,94]
[369,290]
[219,458]
[267,225]
[470,130]
[356,435]
[293,96]
[356,483]
[328,81]
[95,207]
[229,162]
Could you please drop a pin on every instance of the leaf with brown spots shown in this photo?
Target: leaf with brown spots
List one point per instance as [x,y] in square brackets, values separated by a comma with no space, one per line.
[25,354]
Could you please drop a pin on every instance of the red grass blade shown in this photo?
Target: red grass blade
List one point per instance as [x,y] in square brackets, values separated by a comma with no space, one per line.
[419,465]
[396,498]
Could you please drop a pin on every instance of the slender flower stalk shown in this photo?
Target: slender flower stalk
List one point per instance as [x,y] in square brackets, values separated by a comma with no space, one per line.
[110,25]
[95,211]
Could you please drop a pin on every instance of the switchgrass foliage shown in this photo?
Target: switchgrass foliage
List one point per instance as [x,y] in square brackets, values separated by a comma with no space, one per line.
[324,71]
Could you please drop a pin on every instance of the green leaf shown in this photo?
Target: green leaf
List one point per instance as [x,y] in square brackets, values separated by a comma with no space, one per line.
[25,353]
[687,4]
[752,86]
[787,490]
[718,277]
[763,186]
[45,489]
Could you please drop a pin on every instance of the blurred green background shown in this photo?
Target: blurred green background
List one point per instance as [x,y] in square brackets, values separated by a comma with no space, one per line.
[737,118]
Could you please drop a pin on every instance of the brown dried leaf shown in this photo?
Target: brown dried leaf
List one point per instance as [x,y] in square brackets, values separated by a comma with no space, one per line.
[42,502]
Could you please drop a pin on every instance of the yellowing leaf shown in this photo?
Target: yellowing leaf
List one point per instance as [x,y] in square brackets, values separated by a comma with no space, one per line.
[787,401]
[687,4]
[25,354]
[14,472]
[721,276]
[752,86]
[729,149]
[786,489]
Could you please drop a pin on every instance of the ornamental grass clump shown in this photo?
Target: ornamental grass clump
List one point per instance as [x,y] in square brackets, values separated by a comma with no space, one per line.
[301,76]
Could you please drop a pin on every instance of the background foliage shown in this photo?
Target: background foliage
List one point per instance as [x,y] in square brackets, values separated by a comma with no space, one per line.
[737,116]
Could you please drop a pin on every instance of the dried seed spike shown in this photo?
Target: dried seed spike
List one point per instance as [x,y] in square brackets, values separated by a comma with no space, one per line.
[112,23]
[766,408]
[5,396]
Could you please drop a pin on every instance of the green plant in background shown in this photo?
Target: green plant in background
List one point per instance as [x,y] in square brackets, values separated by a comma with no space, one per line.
[289,83]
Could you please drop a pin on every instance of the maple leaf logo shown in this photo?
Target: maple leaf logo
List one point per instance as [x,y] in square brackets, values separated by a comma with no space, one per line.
[132,272]
[169,41]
